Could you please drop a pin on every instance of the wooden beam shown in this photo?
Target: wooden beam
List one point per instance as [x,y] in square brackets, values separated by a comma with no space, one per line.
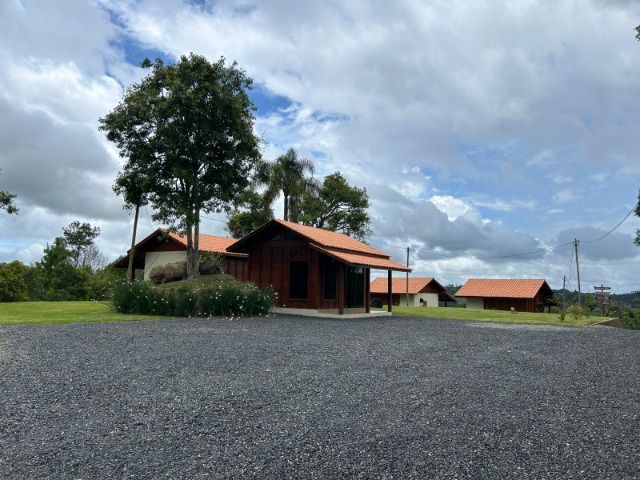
[389,292]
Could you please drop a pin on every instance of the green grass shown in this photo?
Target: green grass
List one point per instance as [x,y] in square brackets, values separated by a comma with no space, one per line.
[495,316]
[55,313]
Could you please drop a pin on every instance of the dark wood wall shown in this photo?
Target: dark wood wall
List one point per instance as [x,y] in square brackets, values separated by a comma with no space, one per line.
[238,267]
[269,266]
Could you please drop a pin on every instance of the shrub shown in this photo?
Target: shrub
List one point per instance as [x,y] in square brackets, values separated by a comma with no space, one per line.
[576,312]
[631,319]
[231,299]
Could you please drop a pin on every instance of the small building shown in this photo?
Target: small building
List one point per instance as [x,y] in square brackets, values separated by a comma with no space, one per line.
[163,247]
[313,271]
[424,291]
[528,295]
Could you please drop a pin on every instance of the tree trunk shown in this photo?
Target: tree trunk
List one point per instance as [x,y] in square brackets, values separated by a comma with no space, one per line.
[286,208]
[131,273]
[195,254]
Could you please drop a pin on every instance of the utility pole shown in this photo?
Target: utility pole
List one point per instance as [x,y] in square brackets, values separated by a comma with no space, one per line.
[576,242]
[407,277]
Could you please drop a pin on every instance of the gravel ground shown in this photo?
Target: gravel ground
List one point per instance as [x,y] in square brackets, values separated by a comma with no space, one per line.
[289,397]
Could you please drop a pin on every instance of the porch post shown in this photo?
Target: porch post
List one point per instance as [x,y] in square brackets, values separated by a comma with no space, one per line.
[367,290]
[389,292]
[341,287]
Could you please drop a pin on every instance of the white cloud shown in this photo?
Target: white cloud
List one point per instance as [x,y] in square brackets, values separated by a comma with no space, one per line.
[478,128]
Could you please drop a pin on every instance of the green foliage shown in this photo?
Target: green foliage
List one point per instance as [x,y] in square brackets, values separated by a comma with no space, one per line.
[13,287]
[229,299]
[6,202]
[60,280]
[78,238]
[562,315]
[286,175]
[250,211]
[186,130]
[335,205]
[631,319]
[576,312]
[99,282]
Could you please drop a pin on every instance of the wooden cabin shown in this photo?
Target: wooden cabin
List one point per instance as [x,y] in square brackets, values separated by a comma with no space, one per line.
[312,269]
[523,295]
[416,292]
[163,247]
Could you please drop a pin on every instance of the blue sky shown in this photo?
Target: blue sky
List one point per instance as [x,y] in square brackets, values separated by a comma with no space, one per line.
[482,131]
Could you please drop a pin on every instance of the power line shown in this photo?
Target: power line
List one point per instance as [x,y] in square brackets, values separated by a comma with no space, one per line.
[613,229]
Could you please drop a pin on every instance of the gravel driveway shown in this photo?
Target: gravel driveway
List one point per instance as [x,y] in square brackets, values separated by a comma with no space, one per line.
[289,397]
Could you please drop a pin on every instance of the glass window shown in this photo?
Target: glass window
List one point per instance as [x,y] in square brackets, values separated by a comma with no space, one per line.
[330,279]
[298,279]
[354,277]
[291,236]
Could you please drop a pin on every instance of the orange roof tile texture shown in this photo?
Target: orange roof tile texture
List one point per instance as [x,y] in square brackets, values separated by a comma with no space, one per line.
[501,288]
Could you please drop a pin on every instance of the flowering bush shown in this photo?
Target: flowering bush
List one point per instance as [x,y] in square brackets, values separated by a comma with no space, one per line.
[231,299]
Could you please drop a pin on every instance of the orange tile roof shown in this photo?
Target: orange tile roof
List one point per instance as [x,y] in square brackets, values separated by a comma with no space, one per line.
[502,288]
[208,243]
[399,285]
[327,238]
[371,261]
[337,245]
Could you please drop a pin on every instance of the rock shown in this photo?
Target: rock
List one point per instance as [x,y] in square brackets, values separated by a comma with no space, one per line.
[210,266]
[170,272]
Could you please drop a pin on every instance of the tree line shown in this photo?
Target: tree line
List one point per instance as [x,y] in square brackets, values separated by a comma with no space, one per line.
[71,268]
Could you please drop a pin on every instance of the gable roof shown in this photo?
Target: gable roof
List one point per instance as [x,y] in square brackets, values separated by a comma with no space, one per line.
[399,285]
[503,288]
[416,285]
[336,245]
[208,243]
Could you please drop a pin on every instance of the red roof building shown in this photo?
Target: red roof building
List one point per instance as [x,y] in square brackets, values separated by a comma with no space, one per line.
[312,269]
[163,247]
[422,291]
[528,295]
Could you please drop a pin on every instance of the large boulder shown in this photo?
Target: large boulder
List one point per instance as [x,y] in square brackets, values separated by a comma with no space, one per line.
[210,266]
[171,272]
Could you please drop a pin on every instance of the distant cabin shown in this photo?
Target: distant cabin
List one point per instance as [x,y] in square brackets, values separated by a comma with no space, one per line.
[523,295]
[163,247]
[423,291]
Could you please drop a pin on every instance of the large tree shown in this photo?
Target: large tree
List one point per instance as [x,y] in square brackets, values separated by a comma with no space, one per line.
[288,175]
[78,240]
[250,211]
[6,202]
[188,127]
[337,206]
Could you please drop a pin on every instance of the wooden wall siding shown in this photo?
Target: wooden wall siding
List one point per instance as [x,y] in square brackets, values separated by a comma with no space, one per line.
[236,267]
[166,246]
[520,304]
[269,266]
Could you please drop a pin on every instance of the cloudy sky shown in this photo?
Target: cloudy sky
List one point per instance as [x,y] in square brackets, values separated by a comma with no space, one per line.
[489,134]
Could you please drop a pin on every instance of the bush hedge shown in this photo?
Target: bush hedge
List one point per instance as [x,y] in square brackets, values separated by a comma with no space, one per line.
[229,299]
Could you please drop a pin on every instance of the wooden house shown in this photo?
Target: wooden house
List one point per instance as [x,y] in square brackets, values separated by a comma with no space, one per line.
[422,291]
[504,294]
[312,269]
[163,247]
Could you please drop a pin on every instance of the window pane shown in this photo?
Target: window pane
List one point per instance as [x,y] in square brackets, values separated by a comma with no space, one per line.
[330,279]
[298,279]
[354,286]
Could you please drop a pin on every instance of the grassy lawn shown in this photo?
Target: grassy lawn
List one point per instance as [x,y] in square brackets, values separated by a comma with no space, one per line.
[495,316]
[32,313]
